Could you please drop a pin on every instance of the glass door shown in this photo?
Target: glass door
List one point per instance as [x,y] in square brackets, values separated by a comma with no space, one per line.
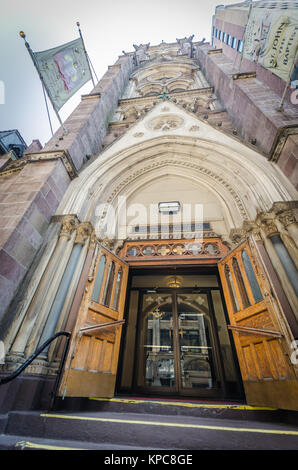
[197,346]
[178,345]
[156,357]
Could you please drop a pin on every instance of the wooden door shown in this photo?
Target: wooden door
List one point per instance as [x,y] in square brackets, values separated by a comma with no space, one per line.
[91,365]
[261,334]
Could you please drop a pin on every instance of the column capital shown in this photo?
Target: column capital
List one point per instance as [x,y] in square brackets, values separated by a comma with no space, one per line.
[69,224]
[83,232]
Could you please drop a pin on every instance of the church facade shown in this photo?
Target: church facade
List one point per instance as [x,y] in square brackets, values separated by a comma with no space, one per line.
[161,232]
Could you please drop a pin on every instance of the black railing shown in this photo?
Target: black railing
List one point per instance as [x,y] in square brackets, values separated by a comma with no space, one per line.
[18,371]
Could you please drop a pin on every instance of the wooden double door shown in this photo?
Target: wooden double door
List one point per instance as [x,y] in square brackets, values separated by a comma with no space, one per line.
[178,338]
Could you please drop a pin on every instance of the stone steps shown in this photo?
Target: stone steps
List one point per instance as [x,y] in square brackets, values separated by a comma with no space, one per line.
[133,431]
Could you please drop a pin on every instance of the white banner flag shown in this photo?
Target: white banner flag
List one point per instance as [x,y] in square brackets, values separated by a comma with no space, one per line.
[271,39]
[64,69]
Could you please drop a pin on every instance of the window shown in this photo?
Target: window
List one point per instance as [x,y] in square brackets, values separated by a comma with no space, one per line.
[251,277]
[229,39]
[216,32]
[219,35]
[234,43]
[240,46]
[223,37]
[98,280]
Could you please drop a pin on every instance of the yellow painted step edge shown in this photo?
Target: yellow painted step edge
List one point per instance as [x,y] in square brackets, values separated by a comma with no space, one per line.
[34,445]
[177,425]
[187,405]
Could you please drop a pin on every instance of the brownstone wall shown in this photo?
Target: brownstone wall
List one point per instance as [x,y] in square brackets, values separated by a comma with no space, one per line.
[253,107]
[266,76]
[27,201]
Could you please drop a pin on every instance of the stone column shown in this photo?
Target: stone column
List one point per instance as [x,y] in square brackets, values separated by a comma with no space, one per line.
[30,329]
[68,288]
[288,229]
[31,289]
[268,228]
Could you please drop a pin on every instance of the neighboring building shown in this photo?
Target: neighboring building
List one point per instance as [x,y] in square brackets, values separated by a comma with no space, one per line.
[12,140]
[170,203]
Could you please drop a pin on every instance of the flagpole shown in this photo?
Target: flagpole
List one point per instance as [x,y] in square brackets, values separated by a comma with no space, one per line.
[45,99]
[88,60]
[31,53]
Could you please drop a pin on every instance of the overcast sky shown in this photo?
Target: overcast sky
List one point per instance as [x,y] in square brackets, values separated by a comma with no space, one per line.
[108,28]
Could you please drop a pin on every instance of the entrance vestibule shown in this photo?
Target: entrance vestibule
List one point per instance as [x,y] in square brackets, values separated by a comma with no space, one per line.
[176,340]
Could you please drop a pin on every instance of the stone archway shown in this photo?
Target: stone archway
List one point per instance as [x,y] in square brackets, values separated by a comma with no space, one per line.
[242,180]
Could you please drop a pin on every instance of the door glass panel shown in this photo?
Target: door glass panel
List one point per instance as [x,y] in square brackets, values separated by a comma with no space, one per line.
[117,290]
[232,291]
[156,353]
[251,277]
[241,286]
[98,280]
[109,284]
[196,346]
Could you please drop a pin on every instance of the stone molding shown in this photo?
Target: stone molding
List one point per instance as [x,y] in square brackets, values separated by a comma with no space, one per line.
[280,140]
[242,75]
[267,222]
[42,156]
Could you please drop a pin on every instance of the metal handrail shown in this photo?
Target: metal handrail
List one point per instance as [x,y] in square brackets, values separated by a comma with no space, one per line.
[101,326]
[17,372]
[256,331]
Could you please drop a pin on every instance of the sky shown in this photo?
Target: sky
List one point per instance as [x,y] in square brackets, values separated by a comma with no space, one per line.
[108,28]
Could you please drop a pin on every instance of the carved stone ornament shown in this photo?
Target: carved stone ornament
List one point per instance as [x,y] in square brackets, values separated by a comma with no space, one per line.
[287,218]
[165,123]
[194,128]
[237,235]
[84,231]
[69,224]
[269,228]
[109,243]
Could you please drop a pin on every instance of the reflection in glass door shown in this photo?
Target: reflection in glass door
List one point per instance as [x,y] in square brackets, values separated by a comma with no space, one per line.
[177,349]
[156,365]
[196,345]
